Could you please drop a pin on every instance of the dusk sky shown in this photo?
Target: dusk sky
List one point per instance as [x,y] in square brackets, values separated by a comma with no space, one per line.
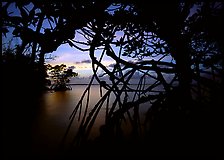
[64,54]
[71,56]
[68,55]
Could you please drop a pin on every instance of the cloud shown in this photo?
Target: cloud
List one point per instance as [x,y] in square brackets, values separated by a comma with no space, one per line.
[111,65]
[84,61]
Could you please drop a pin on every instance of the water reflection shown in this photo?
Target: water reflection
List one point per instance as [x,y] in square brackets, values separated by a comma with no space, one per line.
[53,117]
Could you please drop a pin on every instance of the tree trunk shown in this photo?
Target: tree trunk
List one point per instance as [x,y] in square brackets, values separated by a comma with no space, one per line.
[181,54]
[34,47]
[41,70]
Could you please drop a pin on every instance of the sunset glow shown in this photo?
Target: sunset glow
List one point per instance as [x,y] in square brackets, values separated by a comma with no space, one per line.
[72,57]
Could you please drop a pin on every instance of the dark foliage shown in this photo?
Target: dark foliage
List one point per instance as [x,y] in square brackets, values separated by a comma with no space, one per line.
[181,40]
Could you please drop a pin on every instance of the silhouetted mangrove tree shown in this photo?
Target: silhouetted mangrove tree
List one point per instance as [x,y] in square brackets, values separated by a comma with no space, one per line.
[177,46]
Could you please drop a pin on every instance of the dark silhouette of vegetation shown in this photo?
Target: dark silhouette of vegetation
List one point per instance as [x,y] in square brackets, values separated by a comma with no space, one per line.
[19,72]
[21,86]
[60,77]
[177,46]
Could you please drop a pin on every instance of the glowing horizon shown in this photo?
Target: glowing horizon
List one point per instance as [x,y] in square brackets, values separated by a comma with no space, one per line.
[73,57]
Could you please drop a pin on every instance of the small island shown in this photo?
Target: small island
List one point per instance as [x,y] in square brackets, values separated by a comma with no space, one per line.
[58,77]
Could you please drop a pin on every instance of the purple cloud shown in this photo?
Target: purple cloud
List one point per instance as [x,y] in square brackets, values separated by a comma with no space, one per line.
[86,61]
[83,61]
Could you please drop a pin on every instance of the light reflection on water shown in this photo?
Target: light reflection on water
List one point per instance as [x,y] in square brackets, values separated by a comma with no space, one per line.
[53,116]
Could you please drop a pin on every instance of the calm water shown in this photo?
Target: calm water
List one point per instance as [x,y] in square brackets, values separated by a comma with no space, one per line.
[40,134]
[53,117]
